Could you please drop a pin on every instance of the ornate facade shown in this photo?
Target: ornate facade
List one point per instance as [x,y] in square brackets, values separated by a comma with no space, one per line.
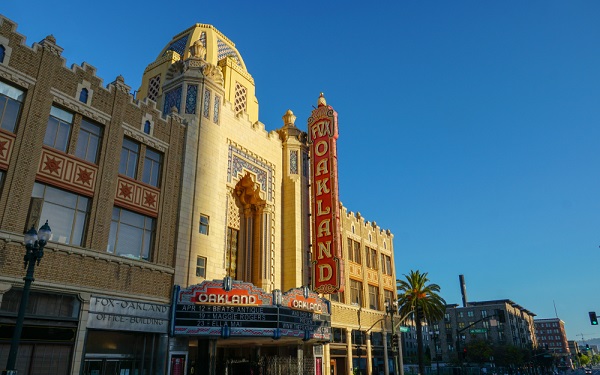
[179,200]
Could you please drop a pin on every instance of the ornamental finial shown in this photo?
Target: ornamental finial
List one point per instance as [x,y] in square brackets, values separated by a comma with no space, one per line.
[321,102]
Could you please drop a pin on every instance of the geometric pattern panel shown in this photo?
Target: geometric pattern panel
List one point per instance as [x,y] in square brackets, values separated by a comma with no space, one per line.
[178,45]
[6,147]
[138,197]
[224,50]
[216,109]
[154,87]
[355,269]
[233,213]
[239,104]
[238,161]
[190,99]
[372,277]
[388,282]
[67,172]
[173,99]
[293,162]
[206,105]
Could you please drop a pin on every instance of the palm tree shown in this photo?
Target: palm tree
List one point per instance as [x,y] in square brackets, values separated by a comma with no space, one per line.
[417,297]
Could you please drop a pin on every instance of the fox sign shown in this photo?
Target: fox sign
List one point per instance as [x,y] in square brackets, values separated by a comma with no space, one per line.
[326,244]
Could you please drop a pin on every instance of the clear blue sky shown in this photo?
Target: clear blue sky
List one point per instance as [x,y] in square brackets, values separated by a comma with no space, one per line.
[470,129]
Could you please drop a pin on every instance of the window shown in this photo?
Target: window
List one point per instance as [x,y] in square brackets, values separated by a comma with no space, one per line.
[368,256]
[129,158]
[2,53]
[354,251]
[373,297]
[2,174]
[83,95]
[470,314]
[201,267]
[58,130]
[388,265]
[131,234]
[461,314]
[152,167]
[357,252]
[88,141]
[147,127]
[339,334]
[356,293]
[66,212]
[11,99]
[338,297]
[373,255]
[204,224]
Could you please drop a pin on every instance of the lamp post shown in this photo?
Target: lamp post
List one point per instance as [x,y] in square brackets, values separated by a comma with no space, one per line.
[34,245]
[436,335]
[391,307]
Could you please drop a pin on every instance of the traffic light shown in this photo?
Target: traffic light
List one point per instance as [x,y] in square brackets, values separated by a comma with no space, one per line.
[593,318]
[394,340]
[501,316]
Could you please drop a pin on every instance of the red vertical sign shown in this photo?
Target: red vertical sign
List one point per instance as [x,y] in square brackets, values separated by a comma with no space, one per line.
[326,246]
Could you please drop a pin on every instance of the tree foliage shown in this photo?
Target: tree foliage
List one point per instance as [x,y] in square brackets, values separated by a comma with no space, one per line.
[420,299]
[478,351]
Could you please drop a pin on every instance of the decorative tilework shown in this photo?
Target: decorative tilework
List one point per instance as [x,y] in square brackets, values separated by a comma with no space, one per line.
[172,99]
[224,50]
[238,161]
[293,162]
[64,171]
[190,99]
[206,106]
[6,146]
[178,45]
[216,109]
[136,196]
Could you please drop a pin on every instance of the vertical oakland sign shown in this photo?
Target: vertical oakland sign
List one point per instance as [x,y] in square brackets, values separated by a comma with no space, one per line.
[327,269]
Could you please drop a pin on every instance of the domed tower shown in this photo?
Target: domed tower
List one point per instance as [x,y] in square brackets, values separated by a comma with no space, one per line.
[208,44]
[230,213]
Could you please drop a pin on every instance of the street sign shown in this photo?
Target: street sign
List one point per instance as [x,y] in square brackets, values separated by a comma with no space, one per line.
[478,330]
[404,329]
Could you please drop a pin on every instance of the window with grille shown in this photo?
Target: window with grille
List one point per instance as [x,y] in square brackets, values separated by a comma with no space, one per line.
[239,103]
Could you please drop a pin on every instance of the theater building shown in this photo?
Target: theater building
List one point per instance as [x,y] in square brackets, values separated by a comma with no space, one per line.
[184,230]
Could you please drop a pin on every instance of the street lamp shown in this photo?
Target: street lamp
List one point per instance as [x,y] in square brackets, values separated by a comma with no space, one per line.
[34,245]
[391,307]
[436,335]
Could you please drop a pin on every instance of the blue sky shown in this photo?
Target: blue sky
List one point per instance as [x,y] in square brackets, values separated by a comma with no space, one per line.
[470,129]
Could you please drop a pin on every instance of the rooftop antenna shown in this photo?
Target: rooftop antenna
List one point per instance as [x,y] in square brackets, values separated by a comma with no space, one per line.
[555,312]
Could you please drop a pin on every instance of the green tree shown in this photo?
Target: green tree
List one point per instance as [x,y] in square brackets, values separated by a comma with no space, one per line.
[584,360]
[507,355]
[421,299]
[479,351]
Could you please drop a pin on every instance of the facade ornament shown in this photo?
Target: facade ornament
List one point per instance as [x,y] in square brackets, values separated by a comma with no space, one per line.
[214,73]
[49,43]
[197,50]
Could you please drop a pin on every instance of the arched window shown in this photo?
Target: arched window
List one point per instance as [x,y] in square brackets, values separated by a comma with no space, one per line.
[147,127]
[2,53]
[83,95]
